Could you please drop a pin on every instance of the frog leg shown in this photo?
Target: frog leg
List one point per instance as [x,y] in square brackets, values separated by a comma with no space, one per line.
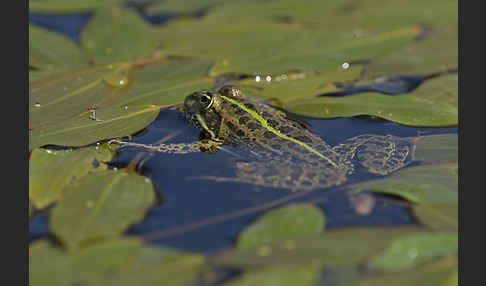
[378,154]
[172,148]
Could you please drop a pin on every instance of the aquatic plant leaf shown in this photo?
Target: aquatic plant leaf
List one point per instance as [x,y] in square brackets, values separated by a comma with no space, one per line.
[116,34]
[296,86]
[59,107]
[159,266]
[442,148]
[305,274]
[422,184]
[442,272]
[50,171]
[66,6]
[114,262]
[263,48]
[169,82]
[272,37]
[288,222]
[337,248]
[51,265]
[100,205]
[439,217]
[406,252]
[434,103]
[436,52]
[51,51]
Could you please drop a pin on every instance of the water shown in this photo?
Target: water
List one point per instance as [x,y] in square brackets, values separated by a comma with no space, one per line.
[201,215]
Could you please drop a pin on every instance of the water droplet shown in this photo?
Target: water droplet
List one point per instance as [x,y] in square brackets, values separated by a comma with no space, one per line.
[125,107]
[37,104]
[268,78]
[264,250]
[257,78]
[412,253]
[89,204]
[345,66]
[115,80]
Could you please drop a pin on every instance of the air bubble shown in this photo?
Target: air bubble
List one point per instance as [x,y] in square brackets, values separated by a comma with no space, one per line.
[345,65]
[268,78]
[257,78]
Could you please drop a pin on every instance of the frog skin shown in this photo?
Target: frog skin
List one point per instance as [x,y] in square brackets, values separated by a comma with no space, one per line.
[280,152]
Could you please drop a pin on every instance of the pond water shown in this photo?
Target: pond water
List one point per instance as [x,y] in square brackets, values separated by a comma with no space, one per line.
[202,215]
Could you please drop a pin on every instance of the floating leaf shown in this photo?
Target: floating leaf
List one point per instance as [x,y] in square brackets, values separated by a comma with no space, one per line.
[288,222]
[304,274]
[441,148]
[100,205]
[438,51]
[408,251]
[295,86]
[423,184]
[65,6]
[60,108]
[159,266]
[259,48]
[117,34]
[50,51]
[115,262]
[50,265]
[50,171]
[340,247]
[439,217]
[432,104]
[171,82]
[272,37]
[441,272]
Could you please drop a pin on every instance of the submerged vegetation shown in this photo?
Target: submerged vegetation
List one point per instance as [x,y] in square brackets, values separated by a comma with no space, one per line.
[305,59]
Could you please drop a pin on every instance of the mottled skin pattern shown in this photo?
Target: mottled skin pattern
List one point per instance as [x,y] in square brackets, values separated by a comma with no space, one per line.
[284,153]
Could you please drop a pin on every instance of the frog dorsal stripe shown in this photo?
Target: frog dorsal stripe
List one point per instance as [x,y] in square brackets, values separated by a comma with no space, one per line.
[265,124]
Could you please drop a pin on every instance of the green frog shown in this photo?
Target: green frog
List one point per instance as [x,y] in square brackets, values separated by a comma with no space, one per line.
[280,151]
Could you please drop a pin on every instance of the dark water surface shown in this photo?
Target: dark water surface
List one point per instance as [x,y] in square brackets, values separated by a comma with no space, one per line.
[202,215]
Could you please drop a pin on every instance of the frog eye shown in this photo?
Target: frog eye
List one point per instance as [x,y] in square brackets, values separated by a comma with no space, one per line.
[207,100]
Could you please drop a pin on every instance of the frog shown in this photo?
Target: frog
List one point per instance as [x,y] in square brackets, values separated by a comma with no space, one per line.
[280,150]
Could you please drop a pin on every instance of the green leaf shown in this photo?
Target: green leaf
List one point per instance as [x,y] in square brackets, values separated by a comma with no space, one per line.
[117,34]
[284,223]
[434,103]
[59,107]
[115,262]
[408,251]
[50,265]
[438,51]
[439,217]
[51,51]
[297,86]
[170,82]
[436,149]
[68,6]
[340,247]
[51,171]
[422,184]
[442,272]
[305,275]
[159,266]
[273,37]
[100,205]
